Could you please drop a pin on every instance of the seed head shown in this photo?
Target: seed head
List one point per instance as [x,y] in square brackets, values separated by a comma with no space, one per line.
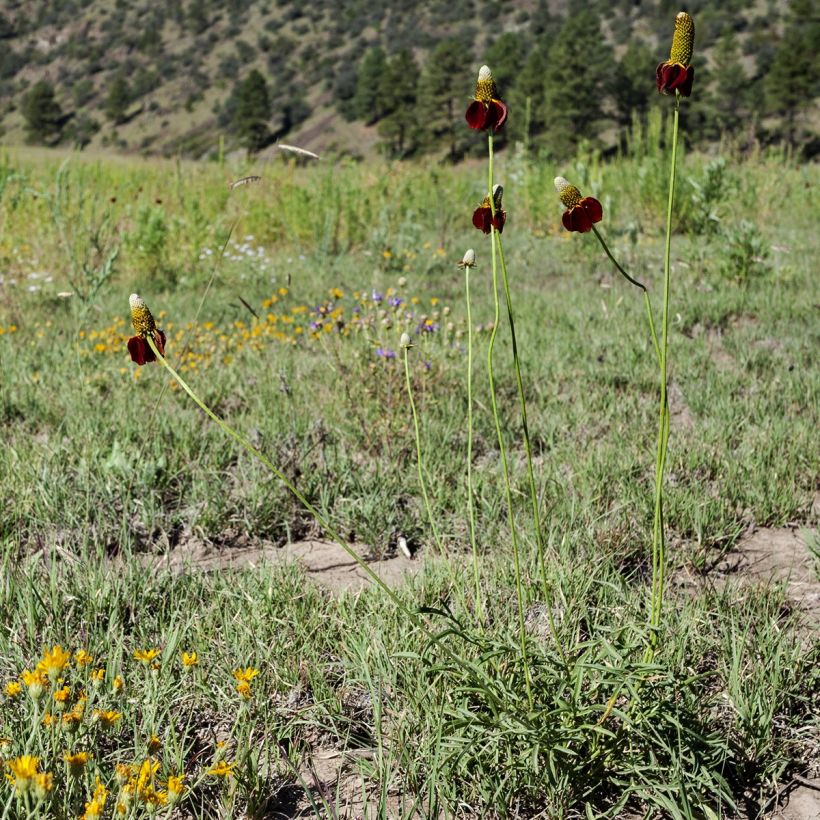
[683,40]
[570,195]
[485,90]
[405,342]
[141,317]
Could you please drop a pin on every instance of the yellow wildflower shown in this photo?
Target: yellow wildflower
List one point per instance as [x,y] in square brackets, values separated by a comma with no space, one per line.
[83,658]
[146,774]
[73,719]
[76,762]
[107,718]
[175,786]
[118,683]
[35,682]
[123,772]
[145,655]
[154,744]
[47,719]
[245,675]
[221,769]
[53,662]
[61,697]
[244,689]
[13,689]
[97,676]
[23,772]
[190,659]
[43,784]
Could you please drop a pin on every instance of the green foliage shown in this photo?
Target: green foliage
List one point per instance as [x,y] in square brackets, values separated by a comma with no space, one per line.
[744,253]
[398,90]
[369,79]
[43,114]
[578,70]
[147,242]
[117,100]
[252,113]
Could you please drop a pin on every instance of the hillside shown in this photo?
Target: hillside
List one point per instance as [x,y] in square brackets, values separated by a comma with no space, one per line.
[351,76]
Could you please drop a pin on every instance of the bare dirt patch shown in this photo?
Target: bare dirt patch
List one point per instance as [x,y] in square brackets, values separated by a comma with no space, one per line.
[324,562]
[778,556]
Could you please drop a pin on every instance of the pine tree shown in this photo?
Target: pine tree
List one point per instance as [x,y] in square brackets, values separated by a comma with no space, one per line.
[730,83]
[578,68]
[790,87]
[369,77]
[445,88]
[633,87]
[43,115]
[252,112]
[398,91]
[117,100]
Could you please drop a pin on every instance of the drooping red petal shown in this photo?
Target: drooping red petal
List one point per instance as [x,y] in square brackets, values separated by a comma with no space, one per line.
[576,219]
[483,218]
[659,77]
[476,115]
[159,341]
[685,87]
[496,115]
[138,348]
[592,209]
[499,220]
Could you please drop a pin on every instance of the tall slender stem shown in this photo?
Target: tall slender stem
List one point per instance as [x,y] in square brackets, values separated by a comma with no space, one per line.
[419,462]
[280,475]
[637,284]
[658,538]
[503,453]
[470,499]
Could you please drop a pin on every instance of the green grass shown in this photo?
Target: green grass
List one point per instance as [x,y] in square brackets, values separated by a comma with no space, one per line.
[101,466]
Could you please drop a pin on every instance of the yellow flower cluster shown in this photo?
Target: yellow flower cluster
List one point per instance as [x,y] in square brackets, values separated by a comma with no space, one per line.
[369,314]
[62,690]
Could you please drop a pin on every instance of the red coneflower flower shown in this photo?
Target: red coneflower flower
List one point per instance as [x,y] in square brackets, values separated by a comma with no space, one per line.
[486,110]
[144,324]
[677,73]
[581,212]
[483,217]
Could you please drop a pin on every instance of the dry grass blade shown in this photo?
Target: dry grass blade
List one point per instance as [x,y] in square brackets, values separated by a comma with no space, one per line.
[237,183]
[294,149]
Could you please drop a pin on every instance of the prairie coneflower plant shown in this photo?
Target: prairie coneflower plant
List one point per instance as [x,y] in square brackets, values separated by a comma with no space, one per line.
[467,263]
[405,344]
[490,218]
[145,327]
[675,76]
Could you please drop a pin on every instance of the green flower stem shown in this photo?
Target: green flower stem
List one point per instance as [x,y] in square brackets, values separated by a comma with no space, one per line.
[470,500]
[419,461]
[658,540]
[503,453]
[282,477]
[637,284]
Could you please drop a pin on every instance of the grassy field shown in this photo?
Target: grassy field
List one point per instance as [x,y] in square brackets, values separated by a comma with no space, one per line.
[365,705]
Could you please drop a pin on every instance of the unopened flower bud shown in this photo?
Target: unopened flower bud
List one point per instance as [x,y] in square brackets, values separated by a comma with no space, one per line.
[405,342]
[498,193]
[468,260]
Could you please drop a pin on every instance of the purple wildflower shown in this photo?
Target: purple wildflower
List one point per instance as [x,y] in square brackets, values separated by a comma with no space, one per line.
[395,301]
[377,297]
[385,353]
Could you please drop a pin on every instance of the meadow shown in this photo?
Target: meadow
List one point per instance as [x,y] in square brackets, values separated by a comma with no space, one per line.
[174,682]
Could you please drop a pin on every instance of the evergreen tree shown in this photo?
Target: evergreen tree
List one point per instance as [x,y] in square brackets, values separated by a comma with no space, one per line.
[117,100]
[526,98]
[730,83]
[633,87]
[578,68]
[445,87]
[398,93]
[791,83]
[252,112]
[368,81]
[42,113]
